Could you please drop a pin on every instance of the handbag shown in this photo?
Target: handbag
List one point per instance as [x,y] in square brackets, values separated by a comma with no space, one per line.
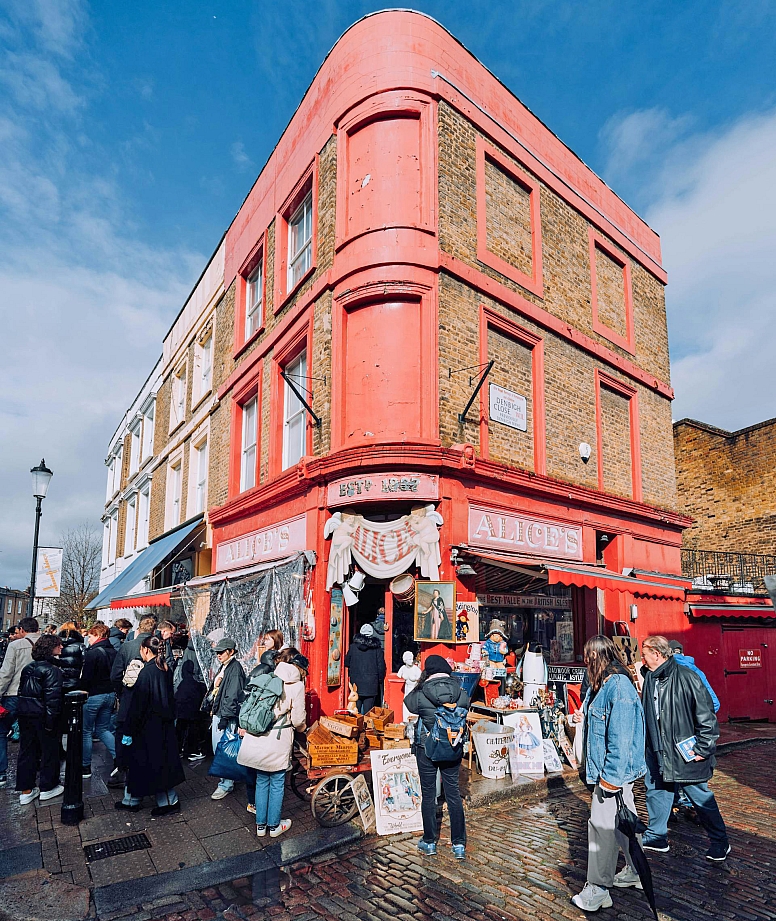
[225,763]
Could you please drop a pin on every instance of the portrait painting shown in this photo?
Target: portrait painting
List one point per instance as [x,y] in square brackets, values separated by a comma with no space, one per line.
[435,611]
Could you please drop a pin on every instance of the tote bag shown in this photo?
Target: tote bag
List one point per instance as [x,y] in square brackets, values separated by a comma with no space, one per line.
[225,763]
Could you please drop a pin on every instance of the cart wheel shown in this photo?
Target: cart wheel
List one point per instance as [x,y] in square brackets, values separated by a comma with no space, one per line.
[333,801]
[300,783]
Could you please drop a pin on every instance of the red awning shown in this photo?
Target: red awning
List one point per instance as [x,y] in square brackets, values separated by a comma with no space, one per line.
[150,600]
[591,576]
[732,610]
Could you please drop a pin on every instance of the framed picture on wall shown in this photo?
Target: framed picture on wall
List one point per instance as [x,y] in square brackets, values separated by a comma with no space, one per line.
[435,611]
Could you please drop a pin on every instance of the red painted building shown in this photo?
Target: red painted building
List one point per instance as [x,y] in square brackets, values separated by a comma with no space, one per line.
[416,227]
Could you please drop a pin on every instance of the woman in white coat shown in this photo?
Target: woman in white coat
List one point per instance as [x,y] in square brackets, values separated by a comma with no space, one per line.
[270,753]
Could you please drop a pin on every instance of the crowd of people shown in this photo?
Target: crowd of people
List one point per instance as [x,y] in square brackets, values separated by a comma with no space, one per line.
[150,705]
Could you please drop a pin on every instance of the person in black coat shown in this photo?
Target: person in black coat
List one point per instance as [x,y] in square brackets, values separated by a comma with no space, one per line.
[95,680]
[40,701]
[71,659]
[153,765]
[190,690]
[365,662]
[436,687]
[228,690]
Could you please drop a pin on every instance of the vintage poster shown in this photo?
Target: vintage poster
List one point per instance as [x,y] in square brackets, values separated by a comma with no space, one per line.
[48,572]
[397,791]
[529,750]
[551,758]
[467,622]
[434,611]
[366,808]
[564,634]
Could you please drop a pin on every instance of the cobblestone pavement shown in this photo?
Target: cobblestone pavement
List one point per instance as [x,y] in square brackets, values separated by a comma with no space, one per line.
[523,862]
[204,830]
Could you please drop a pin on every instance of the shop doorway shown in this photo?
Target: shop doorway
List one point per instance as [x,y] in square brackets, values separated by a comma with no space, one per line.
[370,599]
[749,672]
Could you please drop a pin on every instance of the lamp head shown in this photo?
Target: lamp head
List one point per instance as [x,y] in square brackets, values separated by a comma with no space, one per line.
[41,477]
[585,451]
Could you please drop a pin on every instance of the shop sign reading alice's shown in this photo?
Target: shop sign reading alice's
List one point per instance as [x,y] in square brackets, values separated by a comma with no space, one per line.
[497,530]
[263,545]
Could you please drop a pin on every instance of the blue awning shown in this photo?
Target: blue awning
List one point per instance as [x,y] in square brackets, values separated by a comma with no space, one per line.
[149,559]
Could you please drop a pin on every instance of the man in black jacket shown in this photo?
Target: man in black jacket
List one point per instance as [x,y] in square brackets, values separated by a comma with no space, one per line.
[228,686]
[682,733]
[130,649]
[365,662]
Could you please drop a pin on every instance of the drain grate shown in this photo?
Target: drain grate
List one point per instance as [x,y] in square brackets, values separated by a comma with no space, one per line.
[114,848]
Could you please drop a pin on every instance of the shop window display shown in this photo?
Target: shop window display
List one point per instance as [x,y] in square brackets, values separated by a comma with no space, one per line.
[541,619]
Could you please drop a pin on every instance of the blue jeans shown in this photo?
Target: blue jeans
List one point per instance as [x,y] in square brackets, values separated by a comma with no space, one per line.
[163,798]
[660,799]
[10,704]
[98,711]
[270,787]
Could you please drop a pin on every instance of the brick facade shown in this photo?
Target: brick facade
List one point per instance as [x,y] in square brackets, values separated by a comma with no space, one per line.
[727,483]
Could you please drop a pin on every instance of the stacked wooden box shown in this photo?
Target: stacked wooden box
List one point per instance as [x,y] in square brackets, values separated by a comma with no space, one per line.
[346,739]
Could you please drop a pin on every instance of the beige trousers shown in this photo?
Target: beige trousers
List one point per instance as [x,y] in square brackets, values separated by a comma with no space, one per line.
[603,840]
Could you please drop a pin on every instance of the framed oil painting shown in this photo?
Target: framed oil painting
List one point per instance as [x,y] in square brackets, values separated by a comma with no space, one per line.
[435,612]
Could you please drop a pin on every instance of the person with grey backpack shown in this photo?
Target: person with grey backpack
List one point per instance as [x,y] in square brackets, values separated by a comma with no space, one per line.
[274,707]
[441,703]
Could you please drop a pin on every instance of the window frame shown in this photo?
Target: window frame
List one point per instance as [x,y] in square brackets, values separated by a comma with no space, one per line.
[518,171]
[179,386]
[298,339]
[174,495]
[307,185]
[256,261]
[113,536]
[254,445]
[143,521]
[300,218]
[620,258]
[149,425]
[301,411]
[135,446]
[130,534]
[202,446]
[602,379]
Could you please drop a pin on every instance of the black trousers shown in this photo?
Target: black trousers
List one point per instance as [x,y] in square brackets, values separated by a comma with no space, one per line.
[428,774]
[38,751]
[365,704]
[191,734]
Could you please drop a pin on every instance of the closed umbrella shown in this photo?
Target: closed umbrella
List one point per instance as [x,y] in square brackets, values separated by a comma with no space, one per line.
[631,825]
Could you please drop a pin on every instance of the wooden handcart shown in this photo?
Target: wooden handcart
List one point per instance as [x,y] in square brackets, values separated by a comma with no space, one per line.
[327,789]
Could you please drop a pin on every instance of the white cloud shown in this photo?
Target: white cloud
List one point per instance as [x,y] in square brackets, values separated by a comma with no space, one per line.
[241,158]
[717,221]
[84,303]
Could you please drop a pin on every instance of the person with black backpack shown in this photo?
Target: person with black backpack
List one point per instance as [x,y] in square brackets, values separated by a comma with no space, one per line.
[273,708]
[442,704]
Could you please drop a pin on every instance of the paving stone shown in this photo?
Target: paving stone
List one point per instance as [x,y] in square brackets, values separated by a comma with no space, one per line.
[43,898]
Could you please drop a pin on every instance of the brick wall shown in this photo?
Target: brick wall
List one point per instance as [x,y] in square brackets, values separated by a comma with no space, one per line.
[727,482]
[565,249]
[508,218]
[512,371]
[610,292]
[616,443]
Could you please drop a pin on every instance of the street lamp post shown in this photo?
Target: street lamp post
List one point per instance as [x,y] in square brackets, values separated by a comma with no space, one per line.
[41,477]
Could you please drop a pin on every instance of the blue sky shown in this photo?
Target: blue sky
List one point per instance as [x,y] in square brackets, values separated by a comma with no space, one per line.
[130,134]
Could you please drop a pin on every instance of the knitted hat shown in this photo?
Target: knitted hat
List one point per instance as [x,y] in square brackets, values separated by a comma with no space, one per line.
[367,630]
[498,626]
[436,665]
[408,658]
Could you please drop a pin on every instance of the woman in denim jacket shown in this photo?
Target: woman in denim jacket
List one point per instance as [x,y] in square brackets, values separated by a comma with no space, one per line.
[614,758]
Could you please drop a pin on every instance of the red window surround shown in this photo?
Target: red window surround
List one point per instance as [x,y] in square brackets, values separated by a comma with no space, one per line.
[394,205]
[602,379]
[298,339]
[257,256]
[533,282]
[629,341]
[249,388]
[489,319]
[308,182]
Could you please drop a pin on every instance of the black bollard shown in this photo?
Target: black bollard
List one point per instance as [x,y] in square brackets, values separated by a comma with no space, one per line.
[73,802]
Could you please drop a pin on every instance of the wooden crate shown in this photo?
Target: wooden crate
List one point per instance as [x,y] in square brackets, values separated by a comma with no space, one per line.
[352,719]
[339,727]
[375,740]
[378,718]
[326,749]
[389,744]
[395,731]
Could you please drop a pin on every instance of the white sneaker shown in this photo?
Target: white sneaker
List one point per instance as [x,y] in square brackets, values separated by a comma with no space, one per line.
[197,756]
[219,793]
[50,794]
[285,824]
[26,798]
[591,898]
[627,877]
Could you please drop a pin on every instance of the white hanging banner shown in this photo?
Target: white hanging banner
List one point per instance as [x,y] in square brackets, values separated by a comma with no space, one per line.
[384,548]
[48,572]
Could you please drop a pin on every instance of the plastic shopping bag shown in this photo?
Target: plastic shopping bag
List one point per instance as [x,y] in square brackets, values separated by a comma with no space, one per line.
[225,763]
